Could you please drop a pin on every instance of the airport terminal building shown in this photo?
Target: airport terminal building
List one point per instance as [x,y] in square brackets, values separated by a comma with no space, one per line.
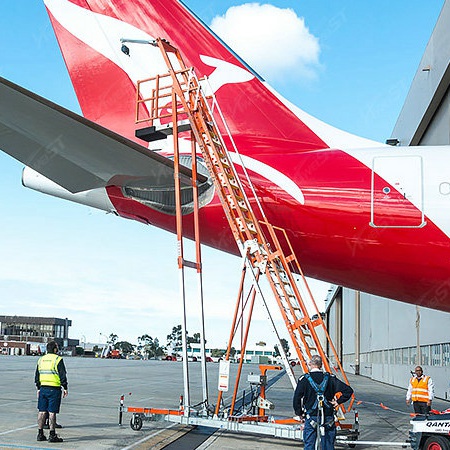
[382,338]
[23,335]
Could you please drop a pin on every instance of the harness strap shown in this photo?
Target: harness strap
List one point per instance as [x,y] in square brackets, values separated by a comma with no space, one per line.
[320,391]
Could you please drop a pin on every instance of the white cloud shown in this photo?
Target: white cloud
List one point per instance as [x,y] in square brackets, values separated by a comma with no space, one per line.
[273,41]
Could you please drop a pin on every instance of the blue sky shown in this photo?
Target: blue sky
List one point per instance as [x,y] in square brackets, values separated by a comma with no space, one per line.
[349,63]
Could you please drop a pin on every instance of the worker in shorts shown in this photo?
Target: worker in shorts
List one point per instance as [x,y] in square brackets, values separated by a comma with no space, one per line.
[50,377]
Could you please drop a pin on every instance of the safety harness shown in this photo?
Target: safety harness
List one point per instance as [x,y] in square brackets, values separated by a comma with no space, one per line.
[320,403]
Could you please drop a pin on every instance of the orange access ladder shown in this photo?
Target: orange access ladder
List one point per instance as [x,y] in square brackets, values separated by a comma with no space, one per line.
[265,248]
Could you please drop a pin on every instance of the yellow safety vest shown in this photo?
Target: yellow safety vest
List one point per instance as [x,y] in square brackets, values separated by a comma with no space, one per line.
[420,389]
[48,370]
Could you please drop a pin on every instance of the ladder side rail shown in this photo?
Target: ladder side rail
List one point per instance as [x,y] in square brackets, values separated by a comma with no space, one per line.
[294,304]
[285,299]
[204,147]
[236,150]
[319,319]
[166,47]
[220,166]
[243,348]
[192,76]
[230,212]
[179,227]
[205,106]
[291,259]
[302,353]
[305,320]
[233,326]
[282,353]
[282,307]
[228,196]
[155,103]
[198,259]
[287,310]
[223,200]
[284,261]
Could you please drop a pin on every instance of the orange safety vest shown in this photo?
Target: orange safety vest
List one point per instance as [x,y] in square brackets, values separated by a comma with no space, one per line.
[420,389]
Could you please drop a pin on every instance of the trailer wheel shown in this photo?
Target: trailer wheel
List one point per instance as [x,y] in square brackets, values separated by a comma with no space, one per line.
[136,422]
[436,443]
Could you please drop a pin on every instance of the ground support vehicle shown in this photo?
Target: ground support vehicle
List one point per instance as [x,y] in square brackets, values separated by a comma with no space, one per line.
[431,432]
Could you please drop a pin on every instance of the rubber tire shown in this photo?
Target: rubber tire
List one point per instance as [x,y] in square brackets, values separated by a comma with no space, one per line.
[136,422]
[437,443]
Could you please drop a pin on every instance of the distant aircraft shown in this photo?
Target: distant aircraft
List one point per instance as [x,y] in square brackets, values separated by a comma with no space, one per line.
[358,213]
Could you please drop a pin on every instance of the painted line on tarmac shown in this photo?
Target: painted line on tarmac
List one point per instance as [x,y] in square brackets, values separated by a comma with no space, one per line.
[149,437]
[21,447]
[15,403]
[17,429]
[211,440]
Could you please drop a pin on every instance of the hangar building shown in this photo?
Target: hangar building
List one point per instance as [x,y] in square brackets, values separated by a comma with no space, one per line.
[381,338]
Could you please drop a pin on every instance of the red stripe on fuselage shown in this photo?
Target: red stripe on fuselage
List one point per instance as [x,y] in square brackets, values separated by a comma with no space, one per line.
[330,233]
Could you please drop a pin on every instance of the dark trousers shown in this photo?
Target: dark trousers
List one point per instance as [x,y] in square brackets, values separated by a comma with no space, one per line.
[310,435]
[421,408]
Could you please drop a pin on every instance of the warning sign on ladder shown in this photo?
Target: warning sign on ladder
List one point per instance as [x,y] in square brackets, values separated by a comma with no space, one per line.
[224,375]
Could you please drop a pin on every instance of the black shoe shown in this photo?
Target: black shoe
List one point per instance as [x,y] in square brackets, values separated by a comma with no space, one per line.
[55,438]
[58,425]
[41,437]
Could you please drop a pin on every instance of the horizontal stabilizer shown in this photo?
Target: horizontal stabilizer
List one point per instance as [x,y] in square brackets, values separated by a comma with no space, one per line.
[72,151]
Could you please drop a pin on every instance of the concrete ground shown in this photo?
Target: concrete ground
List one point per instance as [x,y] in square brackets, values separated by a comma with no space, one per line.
[90,413]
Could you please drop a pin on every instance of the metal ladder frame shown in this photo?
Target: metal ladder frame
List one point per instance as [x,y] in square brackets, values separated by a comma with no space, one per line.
[265,248]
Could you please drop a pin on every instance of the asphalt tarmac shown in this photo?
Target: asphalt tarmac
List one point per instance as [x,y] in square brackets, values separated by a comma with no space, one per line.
[89,414]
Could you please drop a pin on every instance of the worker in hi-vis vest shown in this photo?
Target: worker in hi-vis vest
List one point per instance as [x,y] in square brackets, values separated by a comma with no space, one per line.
[50,377]
[420,392]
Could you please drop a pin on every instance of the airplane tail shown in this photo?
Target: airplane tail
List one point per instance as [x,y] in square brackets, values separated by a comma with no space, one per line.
[89,33]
